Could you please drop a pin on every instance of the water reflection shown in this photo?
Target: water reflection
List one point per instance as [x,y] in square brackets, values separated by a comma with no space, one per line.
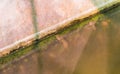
[93,49]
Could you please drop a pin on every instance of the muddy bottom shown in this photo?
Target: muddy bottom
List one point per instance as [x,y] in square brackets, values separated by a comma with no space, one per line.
[93,49]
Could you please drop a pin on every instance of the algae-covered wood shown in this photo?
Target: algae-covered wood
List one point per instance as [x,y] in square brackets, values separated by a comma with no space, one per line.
[21,19]
[91,46]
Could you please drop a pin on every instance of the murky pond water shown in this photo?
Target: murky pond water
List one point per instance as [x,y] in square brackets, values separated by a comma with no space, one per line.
[92,49]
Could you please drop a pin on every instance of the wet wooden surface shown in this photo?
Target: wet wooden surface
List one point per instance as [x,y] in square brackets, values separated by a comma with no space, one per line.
[22,18]
[93,49]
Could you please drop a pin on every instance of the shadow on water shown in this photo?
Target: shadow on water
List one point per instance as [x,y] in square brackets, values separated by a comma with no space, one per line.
[91,49]
[101,54]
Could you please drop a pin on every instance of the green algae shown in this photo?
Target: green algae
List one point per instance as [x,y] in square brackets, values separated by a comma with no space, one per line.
[41,44]
[21,52]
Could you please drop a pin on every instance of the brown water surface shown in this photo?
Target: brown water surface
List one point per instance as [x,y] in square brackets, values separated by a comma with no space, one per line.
[93,49]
